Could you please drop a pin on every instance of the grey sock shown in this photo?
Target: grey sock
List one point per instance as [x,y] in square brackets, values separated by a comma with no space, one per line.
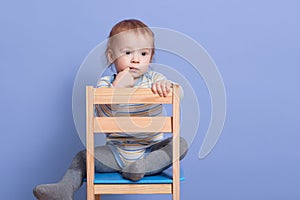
[56,191]
[64,189]
[72,180]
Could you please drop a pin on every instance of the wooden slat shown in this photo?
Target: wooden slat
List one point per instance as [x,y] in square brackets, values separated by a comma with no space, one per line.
[90,143]
[176,145]
[132,124]
[133,189]
[129,95]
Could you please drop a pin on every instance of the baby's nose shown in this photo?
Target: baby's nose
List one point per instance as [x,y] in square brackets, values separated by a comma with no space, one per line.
[135,58]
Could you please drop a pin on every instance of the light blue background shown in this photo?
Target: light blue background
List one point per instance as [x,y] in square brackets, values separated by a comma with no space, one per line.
[255,45]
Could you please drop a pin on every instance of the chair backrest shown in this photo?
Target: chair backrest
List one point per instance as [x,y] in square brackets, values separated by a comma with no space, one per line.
[131,124]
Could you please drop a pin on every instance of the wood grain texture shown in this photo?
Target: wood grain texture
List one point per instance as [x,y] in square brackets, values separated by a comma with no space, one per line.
[90,166]
[133,188]
[129,96]
[132,124]
[176,137]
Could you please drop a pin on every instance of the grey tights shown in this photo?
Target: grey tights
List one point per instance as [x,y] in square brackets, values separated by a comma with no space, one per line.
[156,161]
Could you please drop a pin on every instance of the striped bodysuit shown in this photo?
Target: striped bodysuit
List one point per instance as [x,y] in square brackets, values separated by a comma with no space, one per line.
[129,147]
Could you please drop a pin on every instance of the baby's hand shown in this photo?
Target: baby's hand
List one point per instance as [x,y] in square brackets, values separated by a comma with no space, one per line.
[162,88]
[124,79]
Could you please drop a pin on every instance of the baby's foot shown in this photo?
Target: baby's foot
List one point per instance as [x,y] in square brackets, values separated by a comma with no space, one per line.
[56,191]
[134,171]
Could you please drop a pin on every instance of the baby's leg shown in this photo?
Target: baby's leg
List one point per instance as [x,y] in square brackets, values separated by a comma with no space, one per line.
[72,180]
[105,160]
[159,159]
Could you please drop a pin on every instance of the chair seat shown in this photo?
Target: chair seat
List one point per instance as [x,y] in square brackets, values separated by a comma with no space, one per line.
[116,178]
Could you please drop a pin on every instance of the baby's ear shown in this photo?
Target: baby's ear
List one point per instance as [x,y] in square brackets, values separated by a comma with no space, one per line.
[109,55]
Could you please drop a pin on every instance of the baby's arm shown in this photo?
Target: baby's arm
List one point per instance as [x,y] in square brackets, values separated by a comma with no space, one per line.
[123,79]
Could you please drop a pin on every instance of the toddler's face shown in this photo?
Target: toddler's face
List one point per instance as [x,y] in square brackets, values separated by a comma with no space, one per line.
[131,50]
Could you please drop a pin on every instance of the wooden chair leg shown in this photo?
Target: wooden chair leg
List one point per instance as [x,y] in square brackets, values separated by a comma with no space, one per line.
[97,196]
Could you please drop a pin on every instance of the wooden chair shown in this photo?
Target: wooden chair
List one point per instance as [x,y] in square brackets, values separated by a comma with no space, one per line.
[113,183]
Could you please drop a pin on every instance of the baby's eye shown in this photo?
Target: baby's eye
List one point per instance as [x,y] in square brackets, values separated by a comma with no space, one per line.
[144,53]
[127,52]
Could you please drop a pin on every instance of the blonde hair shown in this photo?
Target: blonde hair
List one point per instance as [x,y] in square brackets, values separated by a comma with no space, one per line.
[130,25]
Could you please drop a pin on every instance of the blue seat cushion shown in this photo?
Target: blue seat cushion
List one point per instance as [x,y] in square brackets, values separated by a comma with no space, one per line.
[116,178]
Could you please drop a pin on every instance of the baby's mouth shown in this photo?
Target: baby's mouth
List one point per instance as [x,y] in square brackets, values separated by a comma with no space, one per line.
[133,68]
